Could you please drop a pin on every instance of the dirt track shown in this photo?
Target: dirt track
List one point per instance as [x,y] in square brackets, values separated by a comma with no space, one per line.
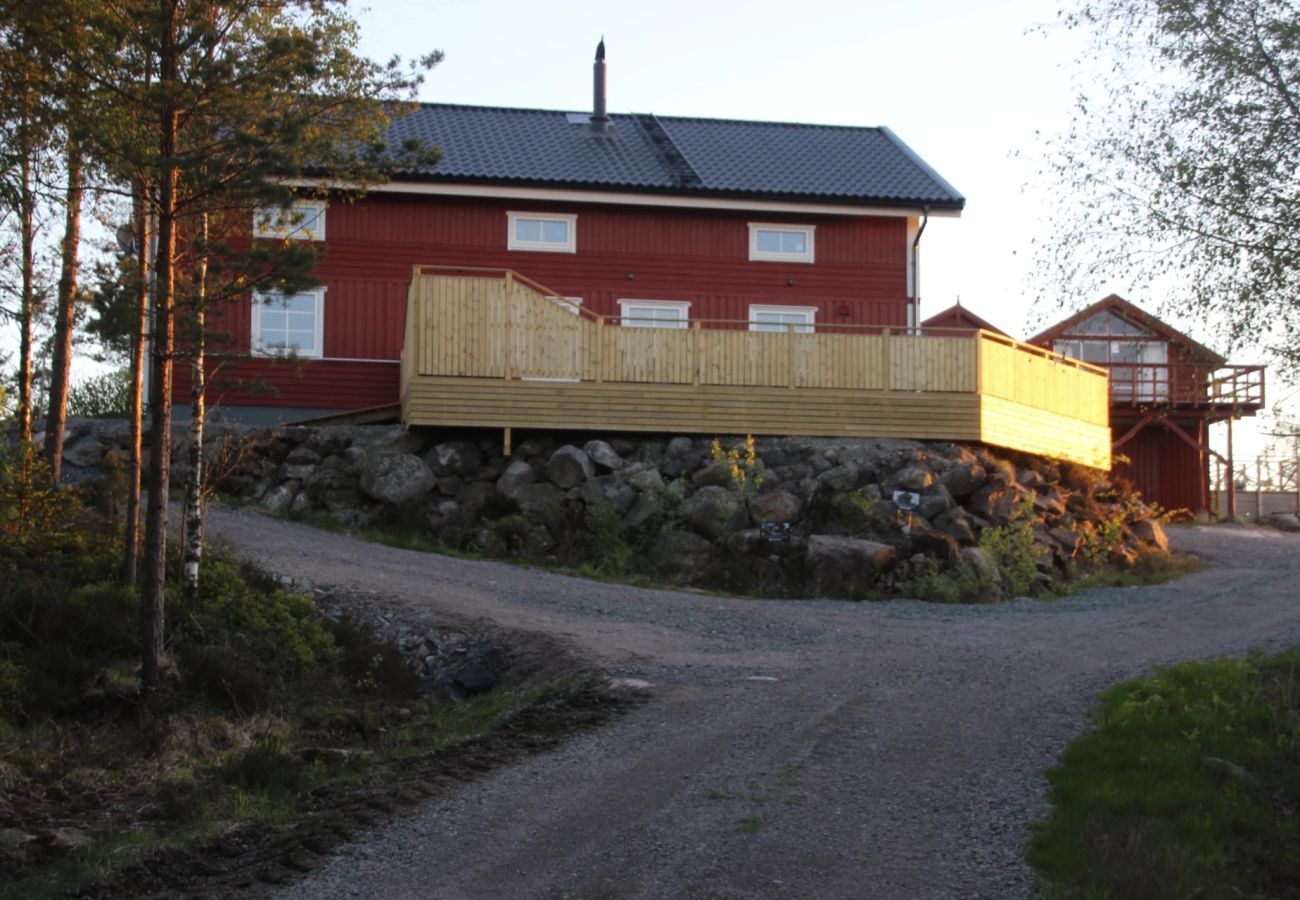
[790,748]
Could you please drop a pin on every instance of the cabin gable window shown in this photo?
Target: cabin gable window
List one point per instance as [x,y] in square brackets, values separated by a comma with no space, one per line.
[654,313]
[781,243]
[779,318]
[288,324]
[545,233]
[303,220]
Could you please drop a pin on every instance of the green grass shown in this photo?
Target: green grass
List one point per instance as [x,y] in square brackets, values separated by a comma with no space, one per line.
[1189,786]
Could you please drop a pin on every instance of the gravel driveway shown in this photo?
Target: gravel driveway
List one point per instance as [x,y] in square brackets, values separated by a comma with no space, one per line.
[791,748]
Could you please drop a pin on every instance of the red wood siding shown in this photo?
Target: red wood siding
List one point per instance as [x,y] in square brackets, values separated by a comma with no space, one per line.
[702,256]
[1162,466]
[314,384]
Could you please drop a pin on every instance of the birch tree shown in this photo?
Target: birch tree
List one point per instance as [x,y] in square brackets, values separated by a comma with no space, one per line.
[1178,171]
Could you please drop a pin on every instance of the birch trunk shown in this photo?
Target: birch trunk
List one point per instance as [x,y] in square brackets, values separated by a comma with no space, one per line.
[194,483]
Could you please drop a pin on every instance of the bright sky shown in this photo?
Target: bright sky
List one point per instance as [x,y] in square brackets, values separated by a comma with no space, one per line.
[969,86]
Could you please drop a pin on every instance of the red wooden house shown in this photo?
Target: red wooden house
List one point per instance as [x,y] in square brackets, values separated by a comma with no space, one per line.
[640,272]
[659,217]
[1165,392]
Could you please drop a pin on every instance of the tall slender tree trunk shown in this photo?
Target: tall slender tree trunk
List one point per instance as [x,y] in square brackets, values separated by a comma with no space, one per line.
[56,415]
[130,562]
[160,388]
[27,308]
[194,483]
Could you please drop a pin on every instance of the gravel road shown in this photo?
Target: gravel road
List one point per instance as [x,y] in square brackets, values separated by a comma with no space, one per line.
[790,748]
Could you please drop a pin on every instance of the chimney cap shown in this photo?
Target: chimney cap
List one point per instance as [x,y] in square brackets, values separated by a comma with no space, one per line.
[600,50]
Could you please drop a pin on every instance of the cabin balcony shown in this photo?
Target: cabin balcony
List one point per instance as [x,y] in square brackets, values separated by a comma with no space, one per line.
[491,348]
[1224,390]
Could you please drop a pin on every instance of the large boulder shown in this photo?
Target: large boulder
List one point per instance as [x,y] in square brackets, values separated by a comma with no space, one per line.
[681,555]
[840,478]
[924,538]
[1151,533]
[963,478]
[645,506]
[84,451]
[915,477]
[474,497]
[645,478]
[569,467]
[716,474]
[539,499]
[957,524]
[602,454]
[516,475]
[396,477]
[935,501]
[844,566]
[610,490]
[776,506]
[715,511]
[460,458]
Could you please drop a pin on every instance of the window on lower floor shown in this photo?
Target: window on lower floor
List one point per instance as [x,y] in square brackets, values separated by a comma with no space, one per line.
[288,324]
[780,318]
[654,313]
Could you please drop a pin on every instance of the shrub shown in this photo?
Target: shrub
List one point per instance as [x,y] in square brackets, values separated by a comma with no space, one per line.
[1014,548]
[607,545]
[101,396]
[746,478]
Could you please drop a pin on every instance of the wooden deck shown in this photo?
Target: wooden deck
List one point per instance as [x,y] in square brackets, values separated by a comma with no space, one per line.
[491,348]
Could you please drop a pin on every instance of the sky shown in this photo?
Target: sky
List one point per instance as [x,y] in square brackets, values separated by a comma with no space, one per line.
[976,89]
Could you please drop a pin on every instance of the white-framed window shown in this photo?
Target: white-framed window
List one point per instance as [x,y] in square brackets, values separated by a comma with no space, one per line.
[289,324]
[544,232]
[781,243]
[778,318]
[304,220]
[654,313]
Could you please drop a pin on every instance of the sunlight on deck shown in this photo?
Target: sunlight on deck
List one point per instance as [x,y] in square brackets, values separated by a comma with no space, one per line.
[492,348]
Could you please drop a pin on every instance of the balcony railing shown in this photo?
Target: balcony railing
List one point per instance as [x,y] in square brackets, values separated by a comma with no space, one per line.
[1143,384]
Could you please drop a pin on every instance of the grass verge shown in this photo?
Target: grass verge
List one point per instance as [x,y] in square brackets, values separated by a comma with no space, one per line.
[1187,787]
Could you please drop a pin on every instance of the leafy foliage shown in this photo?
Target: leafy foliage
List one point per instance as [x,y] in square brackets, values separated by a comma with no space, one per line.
[101,396]
[1179,166]
[1014,548]
[743,466]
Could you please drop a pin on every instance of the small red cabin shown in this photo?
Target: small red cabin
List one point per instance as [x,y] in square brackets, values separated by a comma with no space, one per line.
[1165,391]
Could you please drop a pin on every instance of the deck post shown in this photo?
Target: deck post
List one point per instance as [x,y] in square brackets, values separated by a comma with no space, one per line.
[1232,477]
[695,352]
[887,378]
[600,349]
[508,351]
[789,356]
[1259,490]
[505,443]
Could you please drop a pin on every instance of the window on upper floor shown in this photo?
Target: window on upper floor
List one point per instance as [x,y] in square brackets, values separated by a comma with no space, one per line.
[781,243]
[780,318]
[288,324]
[654,313]
[546,233]
[303,220]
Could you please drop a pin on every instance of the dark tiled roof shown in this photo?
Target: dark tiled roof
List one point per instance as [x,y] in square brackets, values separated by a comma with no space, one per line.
[668,154]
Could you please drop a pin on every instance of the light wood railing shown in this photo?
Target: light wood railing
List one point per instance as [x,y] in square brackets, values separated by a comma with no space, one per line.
[497,324]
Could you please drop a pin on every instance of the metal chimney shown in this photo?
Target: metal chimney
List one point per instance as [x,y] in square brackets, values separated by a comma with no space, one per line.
[599,116]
